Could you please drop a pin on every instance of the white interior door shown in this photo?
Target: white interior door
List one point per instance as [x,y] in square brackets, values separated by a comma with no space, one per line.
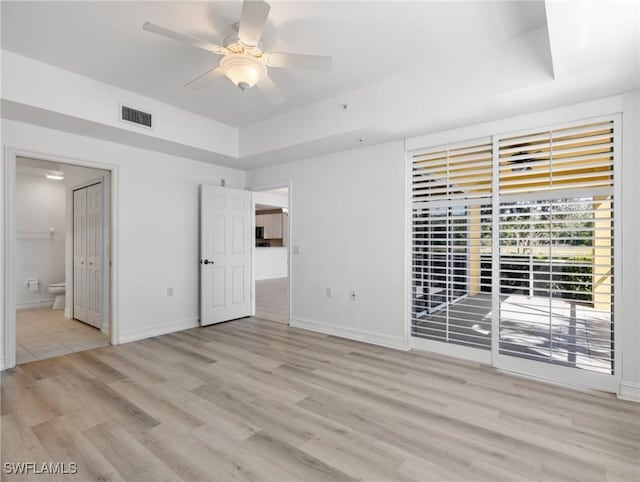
[80,254]
[225,254]
[88,252]
[94,255]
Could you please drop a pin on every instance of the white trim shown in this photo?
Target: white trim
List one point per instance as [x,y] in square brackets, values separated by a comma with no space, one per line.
[32,304]
[289,248]
[165,328]
[8,255]
[451,349]
[396,342]
[253,254]
[408,251]
[8,258]
[2,365]
[618,293]
[270,187]
[629,391]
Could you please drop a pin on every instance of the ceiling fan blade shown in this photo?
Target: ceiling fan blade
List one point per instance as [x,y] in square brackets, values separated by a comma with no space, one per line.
[196,42]
[298,61]
[270,91]
[252,19]
[205,78]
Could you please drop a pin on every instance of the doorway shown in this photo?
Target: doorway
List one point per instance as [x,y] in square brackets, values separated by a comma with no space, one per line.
[271,255]
[61,264]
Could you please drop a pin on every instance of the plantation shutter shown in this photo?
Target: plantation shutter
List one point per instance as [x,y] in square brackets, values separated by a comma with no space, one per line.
[568,158]
[556,246]
[451,244]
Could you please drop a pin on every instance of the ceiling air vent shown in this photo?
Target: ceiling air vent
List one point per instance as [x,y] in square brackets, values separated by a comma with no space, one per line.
[135,116]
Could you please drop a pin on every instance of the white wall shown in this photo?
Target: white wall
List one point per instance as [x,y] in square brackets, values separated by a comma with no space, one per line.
[348,217]
[40,206]
[270,199]
[270,263]
[157,228]
[347,220]
[80,97]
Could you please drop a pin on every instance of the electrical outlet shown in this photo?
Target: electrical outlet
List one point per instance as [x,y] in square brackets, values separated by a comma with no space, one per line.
[353,295]
[169,291]
[328,292]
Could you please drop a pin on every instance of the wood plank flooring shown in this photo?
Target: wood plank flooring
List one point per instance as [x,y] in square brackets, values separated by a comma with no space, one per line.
[256,400]
[272,299]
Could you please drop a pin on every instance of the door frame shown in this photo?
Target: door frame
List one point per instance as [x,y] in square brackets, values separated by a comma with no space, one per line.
[269,187]
[70,261]
[8,241]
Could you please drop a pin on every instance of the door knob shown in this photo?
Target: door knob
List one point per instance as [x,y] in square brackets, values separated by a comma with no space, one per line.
[206,261]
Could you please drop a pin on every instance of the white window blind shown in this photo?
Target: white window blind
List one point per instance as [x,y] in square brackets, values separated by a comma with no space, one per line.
[463,172]
[451,245]
[556,246]
[568,158]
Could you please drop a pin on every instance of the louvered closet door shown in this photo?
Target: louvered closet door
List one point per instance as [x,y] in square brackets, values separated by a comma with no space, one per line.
[556,254]
[451,245]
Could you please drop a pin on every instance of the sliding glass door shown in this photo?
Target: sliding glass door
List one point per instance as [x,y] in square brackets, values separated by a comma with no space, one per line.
[513,250]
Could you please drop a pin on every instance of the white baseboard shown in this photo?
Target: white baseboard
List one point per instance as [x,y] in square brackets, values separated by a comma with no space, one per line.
[2,364]
[67,314]
[629,391]
[365,336]
[32,304]
[158,330]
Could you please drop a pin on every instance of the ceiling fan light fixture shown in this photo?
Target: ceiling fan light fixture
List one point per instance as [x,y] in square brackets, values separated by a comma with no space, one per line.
[243,70]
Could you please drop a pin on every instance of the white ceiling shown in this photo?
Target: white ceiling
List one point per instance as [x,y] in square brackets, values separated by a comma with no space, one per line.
[40,168]
[370,41]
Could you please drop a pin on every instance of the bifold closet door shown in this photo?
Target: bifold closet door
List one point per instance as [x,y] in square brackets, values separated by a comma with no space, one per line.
[88,252]
[80,254]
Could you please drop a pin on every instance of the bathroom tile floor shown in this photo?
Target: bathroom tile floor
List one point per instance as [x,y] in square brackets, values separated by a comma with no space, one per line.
[44,333]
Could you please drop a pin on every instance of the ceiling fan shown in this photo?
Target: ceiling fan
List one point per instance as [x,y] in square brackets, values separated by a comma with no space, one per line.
[243,60]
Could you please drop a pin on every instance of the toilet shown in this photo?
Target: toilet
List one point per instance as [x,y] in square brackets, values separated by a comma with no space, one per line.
[58,289]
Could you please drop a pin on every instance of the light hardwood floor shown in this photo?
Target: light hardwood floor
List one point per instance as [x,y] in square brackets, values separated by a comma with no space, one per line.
[45,333]
[257,400]
[272,299]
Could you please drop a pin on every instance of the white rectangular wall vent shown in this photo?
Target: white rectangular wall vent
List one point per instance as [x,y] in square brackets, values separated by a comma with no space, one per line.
[135,116]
